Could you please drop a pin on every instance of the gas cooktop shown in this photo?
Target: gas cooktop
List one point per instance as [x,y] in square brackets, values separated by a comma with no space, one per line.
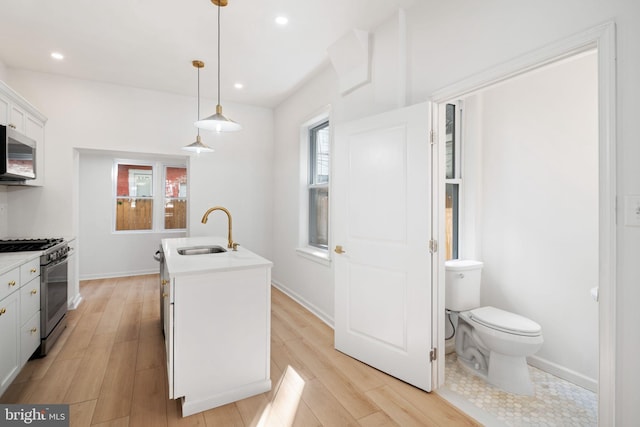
[24,245]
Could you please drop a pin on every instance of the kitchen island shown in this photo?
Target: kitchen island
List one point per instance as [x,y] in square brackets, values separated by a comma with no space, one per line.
[216,319]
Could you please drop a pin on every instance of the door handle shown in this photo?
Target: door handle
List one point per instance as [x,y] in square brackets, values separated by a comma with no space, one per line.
[339,249]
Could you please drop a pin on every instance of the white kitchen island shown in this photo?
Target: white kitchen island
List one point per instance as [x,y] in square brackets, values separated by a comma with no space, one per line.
[217,309]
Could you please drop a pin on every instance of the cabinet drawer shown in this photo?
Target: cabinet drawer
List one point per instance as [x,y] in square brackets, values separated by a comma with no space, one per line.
[29,270]
[29,300]
[29,338]
[9,282]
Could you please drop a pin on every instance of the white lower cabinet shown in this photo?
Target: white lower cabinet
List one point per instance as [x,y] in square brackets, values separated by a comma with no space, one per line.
[29,318]
[9,339]
[218,340]
[19,319]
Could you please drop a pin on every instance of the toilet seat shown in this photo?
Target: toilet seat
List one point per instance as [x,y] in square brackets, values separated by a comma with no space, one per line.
[504,321]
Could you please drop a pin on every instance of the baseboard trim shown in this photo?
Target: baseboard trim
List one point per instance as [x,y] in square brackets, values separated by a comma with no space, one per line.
[564,373]
[98,276]
[303,302]
[74,303]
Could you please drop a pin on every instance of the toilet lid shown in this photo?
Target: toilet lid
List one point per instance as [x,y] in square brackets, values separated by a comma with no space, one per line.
[505,321]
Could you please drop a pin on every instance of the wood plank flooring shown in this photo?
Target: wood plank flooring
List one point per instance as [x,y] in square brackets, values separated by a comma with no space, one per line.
[109,366]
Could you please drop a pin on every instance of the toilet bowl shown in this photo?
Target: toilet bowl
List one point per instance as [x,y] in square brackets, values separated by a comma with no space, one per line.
[490,342]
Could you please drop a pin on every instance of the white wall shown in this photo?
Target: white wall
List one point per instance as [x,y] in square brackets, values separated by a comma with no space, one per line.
[105,254]
[3,72]
[539,207]
[449,41]
[89,115]
[308,281]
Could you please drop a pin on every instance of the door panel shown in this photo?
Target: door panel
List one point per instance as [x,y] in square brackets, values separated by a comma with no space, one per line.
[382,219]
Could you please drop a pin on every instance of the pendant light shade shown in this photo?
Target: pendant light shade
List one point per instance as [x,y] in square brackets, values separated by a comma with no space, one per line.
[198,146]
[218,122]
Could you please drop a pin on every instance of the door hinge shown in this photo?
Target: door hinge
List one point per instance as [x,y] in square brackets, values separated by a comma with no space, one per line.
[432,137]
[433,246]
[433,354]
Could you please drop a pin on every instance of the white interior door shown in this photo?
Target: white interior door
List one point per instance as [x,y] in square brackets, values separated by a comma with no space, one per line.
[382,222]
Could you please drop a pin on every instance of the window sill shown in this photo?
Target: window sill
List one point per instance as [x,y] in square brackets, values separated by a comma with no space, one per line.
[315,255]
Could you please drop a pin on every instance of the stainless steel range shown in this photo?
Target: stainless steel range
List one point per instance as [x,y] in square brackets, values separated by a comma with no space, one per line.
[53,284]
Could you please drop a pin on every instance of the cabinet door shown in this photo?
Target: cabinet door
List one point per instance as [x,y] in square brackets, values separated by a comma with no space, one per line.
[4,111]
[9,339]
[29,338]
[168,342]
[17,118]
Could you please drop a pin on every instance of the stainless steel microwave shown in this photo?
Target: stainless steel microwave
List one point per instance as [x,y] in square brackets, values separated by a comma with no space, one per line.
[17,155]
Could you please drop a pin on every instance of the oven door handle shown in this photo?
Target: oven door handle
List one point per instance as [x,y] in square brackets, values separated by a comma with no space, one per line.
[56,262]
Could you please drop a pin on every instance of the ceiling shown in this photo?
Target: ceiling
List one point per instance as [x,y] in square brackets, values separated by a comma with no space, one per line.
[150,44]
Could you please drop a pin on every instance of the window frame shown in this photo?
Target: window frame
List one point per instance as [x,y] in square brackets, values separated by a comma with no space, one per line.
[456,180]
[317,254]
[158,197]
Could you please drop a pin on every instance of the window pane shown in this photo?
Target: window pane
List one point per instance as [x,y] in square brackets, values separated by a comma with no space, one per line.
[451,221]
[319,217]
[175,204]
[134,214]
[319,149]
[175,182]
[135,180]
[134,206]
[450,140]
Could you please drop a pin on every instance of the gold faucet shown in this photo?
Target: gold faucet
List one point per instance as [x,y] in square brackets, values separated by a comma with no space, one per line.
[225,210]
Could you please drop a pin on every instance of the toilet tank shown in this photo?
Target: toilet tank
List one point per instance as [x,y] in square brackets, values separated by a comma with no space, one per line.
[462,284]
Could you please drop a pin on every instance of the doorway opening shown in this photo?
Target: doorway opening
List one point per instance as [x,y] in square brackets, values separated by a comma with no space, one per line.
[526,176]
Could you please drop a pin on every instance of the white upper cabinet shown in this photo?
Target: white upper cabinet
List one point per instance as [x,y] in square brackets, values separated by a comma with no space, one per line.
[18,113]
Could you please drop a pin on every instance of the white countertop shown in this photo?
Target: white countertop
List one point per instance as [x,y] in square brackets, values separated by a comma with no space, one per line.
[231,260]
[11,260]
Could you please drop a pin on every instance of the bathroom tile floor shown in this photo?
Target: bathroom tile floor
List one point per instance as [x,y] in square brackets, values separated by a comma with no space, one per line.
[556,402]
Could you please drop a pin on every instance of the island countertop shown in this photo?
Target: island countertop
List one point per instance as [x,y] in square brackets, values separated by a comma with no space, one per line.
[231,260]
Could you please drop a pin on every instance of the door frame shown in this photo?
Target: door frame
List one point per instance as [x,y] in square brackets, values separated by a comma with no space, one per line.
[602,38]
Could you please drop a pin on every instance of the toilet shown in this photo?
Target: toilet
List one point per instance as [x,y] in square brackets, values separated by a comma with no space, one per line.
[490,342]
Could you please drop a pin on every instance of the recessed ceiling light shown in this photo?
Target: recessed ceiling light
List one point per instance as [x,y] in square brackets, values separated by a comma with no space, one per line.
[57,55]
[238,85]
[282,20]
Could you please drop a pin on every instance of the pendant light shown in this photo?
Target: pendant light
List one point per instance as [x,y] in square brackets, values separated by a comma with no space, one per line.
[198,146]
[218,121]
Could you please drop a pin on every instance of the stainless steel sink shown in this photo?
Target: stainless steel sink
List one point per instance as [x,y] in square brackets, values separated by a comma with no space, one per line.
[199,250]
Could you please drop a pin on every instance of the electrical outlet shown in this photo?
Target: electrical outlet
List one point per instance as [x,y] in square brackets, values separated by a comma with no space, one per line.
[632,211]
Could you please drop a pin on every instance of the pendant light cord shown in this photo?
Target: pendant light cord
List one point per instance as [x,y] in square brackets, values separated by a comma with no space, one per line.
[198,118]
[218,53]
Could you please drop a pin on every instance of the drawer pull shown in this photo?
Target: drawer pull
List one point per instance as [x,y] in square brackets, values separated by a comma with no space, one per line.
[2,311]
[33,270]
[34,291]
[12,283]
[34,330]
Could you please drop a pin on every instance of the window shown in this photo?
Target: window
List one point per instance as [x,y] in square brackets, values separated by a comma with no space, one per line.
[134,197]
[175,198]
[318,188]
[453,179]
[138,203]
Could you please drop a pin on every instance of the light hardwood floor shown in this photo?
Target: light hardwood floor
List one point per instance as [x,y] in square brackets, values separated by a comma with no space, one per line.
[109,367]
